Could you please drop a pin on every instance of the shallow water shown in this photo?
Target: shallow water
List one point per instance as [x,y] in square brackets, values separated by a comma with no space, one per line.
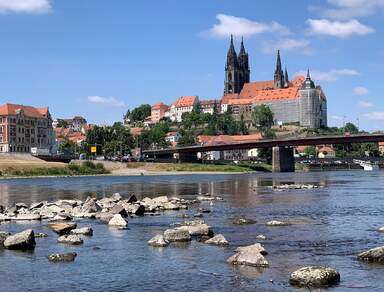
[331,225]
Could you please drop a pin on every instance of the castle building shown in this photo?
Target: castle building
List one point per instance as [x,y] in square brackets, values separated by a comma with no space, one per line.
[298,101]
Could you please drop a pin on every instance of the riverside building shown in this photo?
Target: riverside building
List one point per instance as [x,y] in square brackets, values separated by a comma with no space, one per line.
[25,127]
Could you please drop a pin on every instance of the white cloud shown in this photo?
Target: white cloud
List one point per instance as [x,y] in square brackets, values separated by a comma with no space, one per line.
[25,6]
[299,45]
[331,75]
[360,90]
[337,28]
[347,9]
[365,104]
[108,101]
[239,26]
[375,116]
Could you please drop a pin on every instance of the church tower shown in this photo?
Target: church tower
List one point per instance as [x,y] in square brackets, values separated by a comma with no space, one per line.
[279,80]
[236,69]
[243,65]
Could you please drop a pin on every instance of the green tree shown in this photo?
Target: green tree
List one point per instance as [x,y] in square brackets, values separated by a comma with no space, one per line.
[139,113]
[310,151]
[350,128]
[262,117]
[67,147]
[197,108]
[187,139]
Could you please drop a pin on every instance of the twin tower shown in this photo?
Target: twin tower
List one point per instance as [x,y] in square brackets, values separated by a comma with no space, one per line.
[237,71]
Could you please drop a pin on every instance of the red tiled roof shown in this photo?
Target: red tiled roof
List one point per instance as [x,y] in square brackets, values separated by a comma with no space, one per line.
[29,111]
[185,101]
[263,91]
[226,98]
[158,105]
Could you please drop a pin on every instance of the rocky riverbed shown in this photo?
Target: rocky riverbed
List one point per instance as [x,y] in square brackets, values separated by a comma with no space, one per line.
[216,233]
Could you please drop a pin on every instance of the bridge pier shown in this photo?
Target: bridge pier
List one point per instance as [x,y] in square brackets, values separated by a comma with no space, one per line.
[188,157]
[283,159]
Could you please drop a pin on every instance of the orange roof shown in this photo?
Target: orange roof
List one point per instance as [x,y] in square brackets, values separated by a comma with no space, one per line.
[241,101]
[158,105]
[185,101]
[226,98]
[227,139]
[29,111]
[263,91]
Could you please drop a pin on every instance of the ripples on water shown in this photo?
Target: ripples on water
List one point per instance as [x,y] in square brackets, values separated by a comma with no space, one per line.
[330,225]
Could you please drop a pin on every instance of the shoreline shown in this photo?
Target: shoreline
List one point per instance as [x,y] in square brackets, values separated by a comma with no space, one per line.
[131,174]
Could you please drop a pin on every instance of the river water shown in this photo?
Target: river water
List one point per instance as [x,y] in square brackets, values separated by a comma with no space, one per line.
[330,226]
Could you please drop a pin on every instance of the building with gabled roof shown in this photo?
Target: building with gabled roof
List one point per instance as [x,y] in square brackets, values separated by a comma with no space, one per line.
[184,104]
[24,127]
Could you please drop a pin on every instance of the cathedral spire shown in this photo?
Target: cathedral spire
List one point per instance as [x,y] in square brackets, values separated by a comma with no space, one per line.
[279,75]
[286,78]
[242,49]
[278,61]
[231,55]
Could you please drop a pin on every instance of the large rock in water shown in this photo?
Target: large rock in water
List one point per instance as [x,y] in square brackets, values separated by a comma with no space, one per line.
[23,240]
[373,255]
[67,257]
[177,235]
[198,229]
[62,228]
[118,221]
[158,241]
[118,209]
[3,237]
[251,255]
[381,229]
[315,276]
[218,239]
[70,239]
[90,206]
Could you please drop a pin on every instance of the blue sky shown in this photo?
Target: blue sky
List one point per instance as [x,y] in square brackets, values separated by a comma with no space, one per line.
[98,58]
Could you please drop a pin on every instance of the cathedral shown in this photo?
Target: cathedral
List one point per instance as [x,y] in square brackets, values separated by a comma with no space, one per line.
[298,101]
